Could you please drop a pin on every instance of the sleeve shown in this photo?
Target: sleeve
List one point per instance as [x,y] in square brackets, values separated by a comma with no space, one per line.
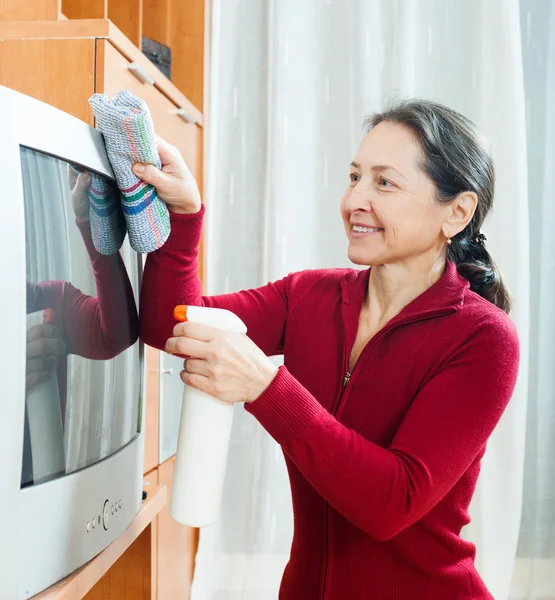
[102,327]
[171,278]
[380,490]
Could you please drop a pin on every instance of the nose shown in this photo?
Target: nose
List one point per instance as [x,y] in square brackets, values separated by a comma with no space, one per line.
[359,200]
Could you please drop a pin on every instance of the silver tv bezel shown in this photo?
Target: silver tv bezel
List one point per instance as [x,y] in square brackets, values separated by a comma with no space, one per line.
[43,536]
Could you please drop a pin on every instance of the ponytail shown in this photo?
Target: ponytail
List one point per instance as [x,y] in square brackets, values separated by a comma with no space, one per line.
[475,263]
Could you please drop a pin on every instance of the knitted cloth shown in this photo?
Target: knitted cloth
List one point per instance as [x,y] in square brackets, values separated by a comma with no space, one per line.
[128,131]
[108,226]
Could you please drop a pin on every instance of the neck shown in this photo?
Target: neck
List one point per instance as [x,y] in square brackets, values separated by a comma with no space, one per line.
[393,286]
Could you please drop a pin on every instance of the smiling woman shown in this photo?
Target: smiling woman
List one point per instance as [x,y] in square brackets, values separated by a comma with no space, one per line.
[444,175]
[395,376]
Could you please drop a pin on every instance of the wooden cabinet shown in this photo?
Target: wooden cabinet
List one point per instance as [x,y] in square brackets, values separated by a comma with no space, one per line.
[171,122]
[123,571]
[150,486]
[63,60]
[177,546]
[63,71]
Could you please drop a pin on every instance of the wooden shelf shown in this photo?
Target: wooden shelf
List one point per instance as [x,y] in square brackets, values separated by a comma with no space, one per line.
[37,9]
[128,16]
[157,21]
[178,24]
[85,9]
[103,577]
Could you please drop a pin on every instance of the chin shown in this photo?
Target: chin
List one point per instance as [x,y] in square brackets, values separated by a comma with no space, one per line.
[366,259]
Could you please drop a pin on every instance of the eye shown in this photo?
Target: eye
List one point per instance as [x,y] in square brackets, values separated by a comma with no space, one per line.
[354,177]
[385,183]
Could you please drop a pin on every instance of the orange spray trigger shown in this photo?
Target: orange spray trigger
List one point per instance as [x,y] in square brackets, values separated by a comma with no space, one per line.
[180,313]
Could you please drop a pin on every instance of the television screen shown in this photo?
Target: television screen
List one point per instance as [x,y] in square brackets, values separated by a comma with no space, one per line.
[83,390]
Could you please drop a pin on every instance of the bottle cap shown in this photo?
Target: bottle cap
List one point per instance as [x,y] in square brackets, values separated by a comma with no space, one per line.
[180,313]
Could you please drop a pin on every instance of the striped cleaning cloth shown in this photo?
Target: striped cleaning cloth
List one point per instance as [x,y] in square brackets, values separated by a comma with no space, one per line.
[108,226]
[128,131]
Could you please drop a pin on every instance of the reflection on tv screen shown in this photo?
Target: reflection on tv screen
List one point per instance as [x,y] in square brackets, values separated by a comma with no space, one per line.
[82,376]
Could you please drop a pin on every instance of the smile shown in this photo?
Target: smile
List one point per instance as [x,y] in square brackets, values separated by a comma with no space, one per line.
[359,231]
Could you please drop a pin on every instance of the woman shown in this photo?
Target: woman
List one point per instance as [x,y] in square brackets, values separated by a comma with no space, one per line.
[394,376]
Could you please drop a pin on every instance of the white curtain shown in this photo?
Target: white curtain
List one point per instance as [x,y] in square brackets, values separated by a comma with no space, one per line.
[289,84]
[534,573]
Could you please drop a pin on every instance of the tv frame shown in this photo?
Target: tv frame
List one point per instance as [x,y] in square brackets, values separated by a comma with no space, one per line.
[44,534]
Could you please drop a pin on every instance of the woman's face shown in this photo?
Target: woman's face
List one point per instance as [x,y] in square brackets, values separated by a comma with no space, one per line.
[389,208]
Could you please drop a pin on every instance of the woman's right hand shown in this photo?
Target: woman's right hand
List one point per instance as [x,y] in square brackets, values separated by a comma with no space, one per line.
[174,183]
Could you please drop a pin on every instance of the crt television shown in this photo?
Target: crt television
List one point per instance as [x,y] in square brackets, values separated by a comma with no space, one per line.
[71,367]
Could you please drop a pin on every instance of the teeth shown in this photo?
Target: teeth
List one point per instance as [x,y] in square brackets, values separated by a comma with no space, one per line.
[360,229]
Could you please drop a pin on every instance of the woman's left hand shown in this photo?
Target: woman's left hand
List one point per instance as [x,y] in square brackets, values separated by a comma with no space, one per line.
[226,365]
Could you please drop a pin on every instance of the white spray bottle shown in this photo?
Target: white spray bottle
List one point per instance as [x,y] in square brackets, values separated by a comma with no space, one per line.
[204,433]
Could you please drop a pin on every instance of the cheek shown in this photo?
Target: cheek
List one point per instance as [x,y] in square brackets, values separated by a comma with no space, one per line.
[418,223]
[403,218]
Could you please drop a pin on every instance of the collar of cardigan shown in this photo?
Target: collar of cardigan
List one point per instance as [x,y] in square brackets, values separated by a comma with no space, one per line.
[447,294]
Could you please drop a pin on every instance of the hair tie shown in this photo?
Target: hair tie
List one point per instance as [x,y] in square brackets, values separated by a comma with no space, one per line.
[479,239]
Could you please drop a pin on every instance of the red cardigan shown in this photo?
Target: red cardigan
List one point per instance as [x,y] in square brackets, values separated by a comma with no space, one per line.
[382,470]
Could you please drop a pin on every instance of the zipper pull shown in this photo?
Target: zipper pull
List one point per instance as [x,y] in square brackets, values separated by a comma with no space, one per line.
[346,379]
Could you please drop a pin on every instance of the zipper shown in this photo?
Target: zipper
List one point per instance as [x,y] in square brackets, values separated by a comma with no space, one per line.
[381,333]
[337,404]
[334,407]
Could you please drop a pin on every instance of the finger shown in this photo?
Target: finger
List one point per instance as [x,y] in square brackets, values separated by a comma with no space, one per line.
[199,382]
[168,153]
[72,176]
[45,347]
[42,331]
[196,331]
[165,184]
[172,160]
[34,379]
[186,347]
[196,366]
[34,365]
[83,182]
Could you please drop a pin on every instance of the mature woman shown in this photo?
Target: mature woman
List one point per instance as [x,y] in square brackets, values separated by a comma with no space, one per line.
[394,376]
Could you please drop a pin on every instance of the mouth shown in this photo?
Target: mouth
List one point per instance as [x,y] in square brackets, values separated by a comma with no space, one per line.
[358,231]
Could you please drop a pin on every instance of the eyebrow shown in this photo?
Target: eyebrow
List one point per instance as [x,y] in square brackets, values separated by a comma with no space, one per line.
[379,168]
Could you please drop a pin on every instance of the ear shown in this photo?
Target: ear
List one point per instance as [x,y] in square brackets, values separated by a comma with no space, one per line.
[459,213]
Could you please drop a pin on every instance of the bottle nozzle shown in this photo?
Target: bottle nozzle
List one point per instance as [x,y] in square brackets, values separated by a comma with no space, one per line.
[180,313]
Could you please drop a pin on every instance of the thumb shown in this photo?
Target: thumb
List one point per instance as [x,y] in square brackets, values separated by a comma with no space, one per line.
[83,182]
[167,186]
[150,174]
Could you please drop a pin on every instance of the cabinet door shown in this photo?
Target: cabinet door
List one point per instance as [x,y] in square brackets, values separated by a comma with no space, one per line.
[177,546]
[58,72]
[171,399]
[113,75]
